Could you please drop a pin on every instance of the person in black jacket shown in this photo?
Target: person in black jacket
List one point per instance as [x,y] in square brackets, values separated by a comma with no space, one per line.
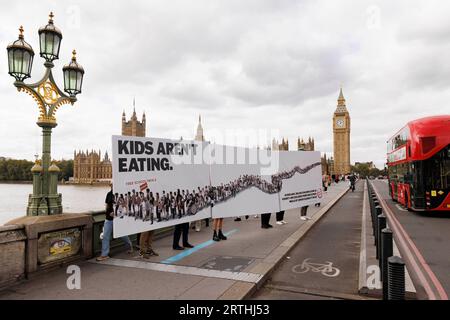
[352,182]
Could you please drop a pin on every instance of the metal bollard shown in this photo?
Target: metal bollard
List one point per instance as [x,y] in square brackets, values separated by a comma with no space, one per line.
[381,224]
[375,203]
[372,210]
[378,211]
[396,278]
[386,252]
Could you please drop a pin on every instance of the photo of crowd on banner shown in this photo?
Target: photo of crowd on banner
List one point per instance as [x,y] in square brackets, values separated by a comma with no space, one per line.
[145,205]
[148,206]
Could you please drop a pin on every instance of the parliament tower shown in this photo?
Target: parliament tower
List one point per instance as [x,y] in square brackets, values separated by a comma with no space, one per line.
[341,137]
[133,127]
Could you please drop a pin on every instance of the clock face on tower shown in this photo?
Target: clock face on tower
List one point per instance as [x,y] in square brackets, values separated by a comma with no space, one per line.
[340,123]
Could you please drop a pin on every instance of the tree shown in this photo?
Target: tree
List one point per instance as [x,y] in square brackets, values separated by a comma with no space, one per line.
[66,167]
[15,170]
[364,170]
[20,170]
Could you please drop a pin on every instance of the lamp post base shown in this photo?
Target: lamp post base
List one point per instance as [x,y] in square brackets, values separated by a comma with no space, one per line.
[42,206]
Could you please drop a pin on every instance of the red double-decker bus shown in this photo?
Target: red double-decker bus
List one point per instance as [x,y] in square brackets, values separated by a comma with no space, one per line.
[418,159]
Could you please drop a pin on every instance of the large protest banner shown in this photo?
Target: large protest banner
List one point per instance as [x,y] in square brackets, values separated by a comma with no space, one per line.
[158,183]
[241,181]
[300,176]
[162,182]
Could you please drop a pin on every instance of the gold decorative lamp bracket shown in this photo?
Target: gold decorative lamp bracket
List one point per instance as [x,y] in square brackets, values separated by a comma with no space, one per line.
[48,97]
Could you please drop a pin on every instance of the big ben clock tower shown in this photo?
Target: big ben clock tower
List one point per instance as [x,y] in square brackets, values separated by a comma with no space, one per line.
[341,137]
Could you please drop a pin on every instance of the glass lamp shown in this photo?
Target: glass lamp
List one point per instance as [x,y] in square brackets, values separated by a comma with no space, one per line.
[50,40]
[73,76]
[20,58]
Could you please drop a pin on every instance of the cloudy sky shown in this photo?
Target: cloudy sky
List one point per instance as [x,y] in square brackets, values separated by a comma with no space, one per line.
[264,67]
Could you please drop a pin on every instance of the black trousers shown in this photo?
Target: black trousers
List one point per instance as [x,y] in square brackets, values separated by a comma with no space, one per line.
[182,228]
[265,218]
[280,215]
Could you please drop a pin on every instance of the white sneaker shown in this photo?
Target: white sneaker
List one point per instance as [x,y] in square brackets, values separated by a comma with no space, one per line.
[283,222]
[280,223]
[303,218]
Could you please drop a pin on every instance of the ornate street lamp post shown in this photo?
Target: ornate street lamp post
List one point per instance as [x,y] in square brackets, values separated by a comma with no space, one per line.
[45,199]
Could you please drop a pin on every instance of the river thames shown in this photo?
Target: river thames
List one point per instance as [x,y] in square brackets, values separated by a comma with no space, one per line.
[75,199]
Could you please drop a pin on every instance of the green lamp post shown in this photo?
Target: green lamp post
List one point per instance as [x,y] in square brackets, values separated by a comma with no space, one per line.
[45,199]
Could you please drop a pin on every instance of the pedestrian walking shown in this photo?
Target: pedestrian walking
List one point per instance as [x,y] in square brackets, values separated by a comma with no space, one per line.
[352,182]
[325,182]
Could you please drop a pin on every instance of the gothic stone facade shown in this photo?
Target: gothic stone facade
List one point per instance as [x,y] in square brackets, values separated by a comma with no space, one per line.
[133,127]
[305,146]
[88,167]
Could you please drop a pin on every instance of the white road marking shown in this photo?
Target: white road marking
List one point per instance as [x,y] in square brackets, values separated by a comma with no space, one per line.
[238,276]
[325,269]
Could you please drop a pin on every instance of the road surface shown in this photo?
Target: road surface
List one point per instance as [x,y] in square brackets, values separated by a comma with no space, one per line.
[429,233]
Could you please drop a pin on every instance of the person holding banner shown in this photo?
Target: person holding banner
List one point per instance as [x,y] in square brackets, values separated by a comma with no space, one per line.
[303,212]
[217,227]
[182,228]
[145,244]
[265,219]
[280,218]
[108,227]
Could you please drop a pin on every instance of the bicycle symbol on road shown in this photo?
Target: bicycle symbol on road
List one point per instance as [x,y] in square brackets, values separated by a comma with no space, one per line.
[325,269]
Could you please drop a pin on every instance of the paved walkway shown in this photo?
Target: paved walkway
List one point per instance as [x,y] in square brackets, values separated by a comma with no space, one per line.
[325,264]
[228,269]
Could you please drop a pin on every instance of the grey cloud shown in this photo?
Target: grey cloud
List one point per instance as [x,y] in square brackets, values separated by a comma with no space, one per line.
[241,64]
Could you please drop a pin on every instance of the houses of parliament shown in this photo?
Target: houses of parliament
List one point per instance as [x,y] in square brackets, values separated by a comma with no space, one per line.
[89,167]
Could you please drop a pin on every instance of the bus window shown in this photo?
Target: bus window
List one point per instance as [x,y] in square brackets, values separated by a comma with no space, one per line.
[437,171]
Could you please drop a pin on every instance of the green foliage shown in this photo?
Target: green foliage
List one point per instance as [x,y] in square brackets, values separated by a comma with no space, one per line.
[19,170]
[364,170]
[66,167]
[15,170]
